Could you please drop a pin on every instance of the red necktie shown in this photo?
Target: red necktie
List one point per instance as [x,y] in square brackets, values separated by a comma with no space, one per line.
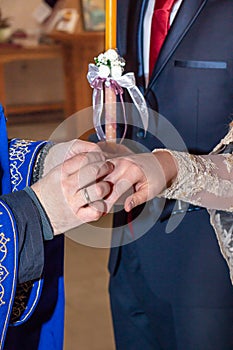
[159,28]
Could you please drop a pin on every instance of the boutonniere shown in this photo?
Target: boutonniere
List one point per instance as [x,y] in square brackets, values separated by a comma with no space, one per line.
[110,64]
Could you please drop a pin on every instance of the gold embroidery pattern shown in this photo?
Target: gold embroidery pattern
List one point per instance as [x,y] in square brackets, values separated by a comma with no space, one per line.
[18,151]
[3,270]
[17,154]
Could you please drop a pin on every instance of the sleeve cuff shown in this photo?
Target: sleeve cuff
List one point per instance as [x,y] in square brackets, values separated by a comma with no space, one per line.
[46,226]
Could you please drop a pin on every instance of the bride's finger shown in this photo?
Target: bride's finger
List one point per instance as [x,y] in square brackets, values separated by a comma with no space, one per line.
[120,190]
[136,199]
[92,173]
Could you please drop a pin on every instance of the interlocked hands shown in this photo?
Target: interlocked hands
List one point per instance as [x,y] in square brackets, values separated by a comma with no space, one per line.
[138,178]
[82,181]
[72,189]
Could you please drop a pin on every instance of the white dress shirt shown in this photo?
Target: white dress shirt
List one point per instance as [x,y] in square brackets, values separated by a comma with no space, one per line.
[147,28]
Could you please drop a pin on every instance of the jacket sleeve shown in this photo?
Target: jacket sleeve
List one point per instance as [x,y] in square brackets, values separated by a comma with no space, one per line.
[30,238]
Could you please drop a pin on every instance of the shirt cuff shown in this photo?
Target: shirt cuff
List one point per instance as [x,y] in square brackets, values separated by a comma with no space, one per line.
[46,226]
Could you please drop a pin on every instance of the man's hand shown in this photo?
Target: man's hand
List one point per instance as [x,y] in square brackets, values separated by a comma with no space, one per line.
[73,192]
[66,150]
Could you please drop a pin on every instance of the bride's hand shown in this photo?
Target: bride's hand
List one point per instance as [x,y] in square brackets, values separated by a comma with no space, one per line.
[146,174]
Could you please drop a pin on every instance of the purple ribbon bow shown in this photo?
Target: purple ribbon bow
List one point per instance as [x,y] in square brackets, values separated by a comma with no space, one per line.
[125,81]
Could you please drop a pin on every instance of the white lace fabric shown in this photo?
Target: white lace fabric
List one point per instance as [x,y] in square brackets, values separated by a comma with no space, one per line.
[203,180]
[208,181]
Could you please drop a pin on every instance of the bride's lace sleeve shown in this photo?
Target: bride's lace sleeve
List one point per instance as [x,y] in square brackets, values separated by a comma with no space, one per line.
[204,180]
[208,181]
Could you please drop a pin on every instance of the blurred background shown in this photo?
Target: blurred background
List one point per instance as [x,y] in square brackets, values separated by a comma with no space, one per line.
[44,57]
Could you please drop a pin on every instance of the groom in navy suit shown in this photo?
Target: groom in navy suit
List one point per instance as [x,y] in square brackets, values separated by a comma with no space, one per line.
[173,291]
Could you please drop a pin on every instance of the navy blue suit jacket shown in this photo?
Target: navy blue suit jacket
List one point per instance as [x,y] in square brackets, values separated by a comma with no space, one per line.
[192,87]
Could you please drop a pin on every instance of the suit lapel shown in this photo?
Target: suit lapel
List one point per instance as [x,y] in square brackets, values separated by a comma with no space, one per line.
[132,34]
[185,17]
[134,40]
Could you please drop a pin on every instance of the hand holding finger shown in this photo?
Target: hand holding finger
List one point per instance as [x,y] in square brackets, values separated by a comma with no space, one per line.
[64,201]
[142,172]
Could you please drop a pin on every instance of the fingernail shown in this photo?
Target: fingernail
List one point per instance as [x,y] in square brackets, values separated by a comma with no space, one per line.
[110,165]
[131,204]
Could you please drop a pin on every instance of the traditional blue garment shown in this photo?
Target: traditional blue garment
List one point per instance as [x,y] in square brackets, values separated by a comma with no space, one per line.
[31,314]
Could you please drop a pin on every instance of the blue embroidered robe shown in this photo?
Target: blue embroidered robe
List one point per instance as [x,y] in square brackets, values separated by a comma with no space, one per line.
[31,314]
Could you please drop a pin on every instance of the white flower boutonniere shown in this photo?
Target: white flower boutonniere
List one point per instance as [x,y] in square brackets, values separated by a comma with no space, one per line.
[110,64]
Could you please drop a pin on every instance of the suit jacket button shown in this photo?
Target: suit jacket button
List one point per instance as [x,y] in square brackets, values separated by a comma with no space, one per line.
[140,134]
